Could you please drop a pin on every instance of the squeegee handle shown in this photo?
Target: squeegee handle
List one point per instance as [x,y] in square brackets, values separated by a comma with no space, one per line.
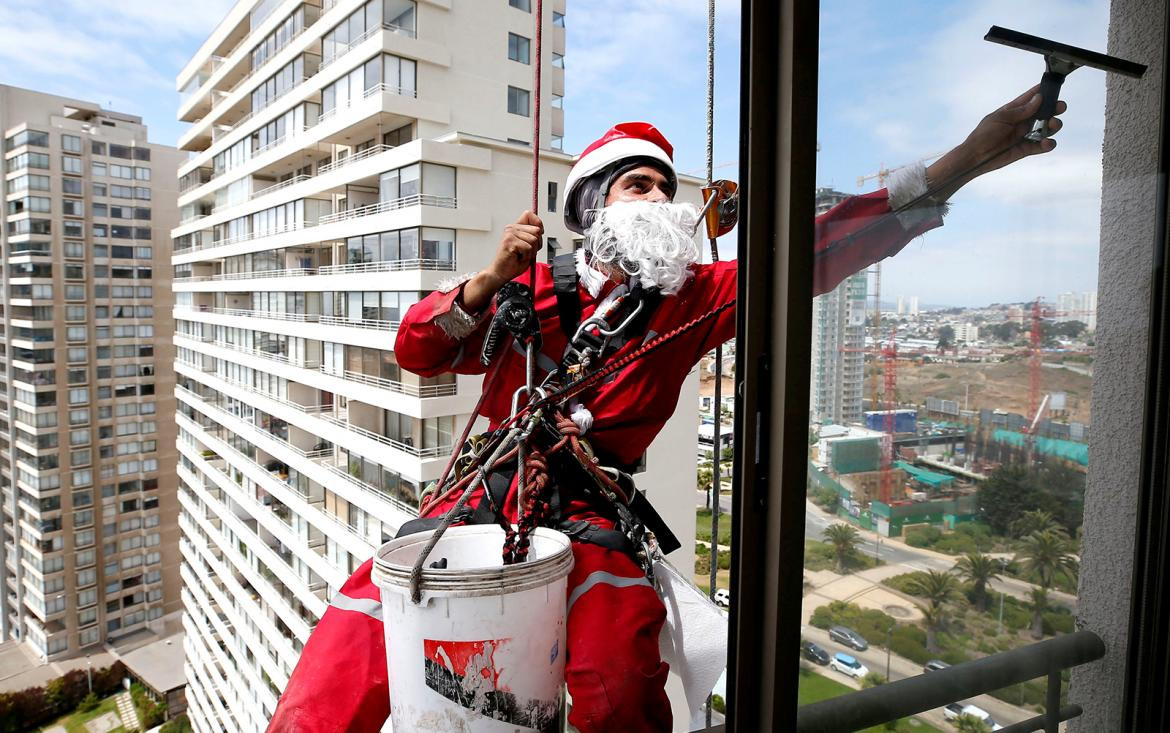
[1050,85]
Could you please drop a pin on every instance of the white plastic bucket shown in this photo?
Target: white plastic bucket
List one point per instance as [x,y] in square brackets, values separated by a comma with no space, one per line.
[485,649]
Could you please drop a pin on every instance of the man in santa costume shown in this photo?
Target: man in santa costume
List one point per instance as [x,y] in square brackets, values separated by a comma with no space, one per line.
[619,194]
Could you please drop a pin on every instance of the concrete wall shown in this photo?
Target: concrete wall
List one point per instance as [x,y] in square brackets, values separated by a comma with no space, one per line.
[1127,236]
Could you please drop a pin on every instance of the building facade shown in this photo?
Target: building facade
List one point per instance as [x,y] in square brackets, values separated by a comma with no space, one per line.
[346,159]
[838,341]
[87,438]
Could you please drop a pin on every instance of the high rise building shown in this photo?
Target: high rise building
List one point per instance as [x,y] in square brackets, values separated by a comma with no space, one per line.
[1081,307]
[86,432]
[838,341]
[346,159]
[913,306]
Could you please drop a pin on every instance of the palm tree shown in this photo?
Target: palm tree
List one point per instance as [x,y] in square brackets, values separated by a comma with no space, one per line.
[1034,521]
[844,538]
[703,478]
[1039,604]
[937,587]
[1047,556]
[980,569]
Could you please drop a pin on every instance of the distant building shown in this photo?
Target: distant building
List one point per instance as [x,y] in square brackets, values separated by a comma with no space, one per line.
[901,305]
[90,549]
[1081,307]
[838,342]
[966,333]
[914,306]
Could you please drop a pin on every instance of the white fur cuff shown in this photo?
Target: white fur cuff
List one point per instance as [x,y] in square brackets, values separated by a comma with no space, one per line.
[907,184]
[457,323]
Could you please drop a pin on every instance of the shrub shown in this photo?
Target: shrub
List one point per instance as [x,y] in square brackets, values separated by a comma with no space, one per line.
[717,705]
[905,582]
[1059,622]
[922,536]
[177,724]
[89,702]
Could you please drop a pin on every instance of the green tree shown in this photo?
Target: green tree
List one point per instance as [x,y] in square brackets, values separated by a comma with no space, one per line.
[946,337]
[703,478]
[937,587]
[1038,604]
[1047,555]
[1007,494]
[980,570]
[1030,522]
[844,538]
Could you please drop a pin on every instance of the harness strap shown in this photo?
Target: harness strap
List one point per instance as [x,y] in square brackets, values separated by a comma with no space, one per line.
[564,272]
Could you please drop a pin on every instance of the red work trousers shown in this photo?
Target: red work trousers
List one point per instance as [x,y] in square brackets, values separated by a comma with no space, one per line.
[613,668]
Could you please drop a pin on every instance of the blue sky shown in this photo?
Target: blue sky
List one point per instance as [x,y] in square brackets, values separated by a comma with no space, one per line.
[899,81]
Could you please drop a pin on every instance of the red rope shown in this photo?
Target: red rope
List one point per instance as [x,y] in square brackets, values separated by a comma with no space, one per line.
[539,65]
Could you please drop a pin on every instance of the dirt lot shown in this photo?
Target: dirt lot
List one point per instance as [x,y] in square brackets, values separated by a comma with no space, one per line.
[1001,386]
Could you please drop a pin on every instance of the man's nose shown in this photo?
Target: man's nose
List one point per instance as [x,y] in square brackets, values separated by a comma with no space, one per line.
[658,196]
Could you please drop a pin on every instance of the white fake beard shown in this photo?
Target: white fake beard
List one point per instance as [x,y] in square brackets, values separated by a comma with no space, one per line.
[652,243]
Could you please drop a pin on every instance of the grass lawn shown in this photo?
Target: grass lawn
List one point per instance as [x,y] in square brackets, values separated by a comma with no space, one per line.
[815,687]
[75,722]
[703,526]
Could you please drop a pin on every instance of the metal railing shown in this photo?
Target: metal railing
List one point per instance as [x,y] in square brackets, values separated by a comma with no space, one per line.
[918,694]
[379,88]
[358,156]
[340,50]
[413,390]
[369,323]
[418,199]
[388,266]
[278,186]
[331,465]
[395,444]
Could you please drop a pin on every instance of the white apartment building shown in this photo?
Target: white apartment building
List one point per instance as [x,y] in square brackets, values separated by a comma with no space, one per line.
[838,342]
[1081,307]
[87,480]
[346,158]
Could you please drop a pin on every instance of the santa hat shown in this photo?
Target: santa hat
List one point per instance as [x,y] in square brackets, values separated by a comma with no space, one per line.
[622,141]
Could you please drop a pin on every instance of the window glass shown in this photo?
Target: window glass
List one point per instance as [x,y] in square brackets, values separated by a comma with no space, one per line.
[518,48]
[518,101]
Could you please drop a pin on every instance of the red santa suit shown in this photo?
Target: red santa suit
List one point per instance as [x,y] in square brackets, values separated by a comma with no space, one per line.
[613,671]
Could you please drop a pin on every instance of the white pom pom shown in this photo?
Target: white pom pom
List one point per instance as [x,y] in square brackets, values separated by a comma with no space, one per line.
[581,415]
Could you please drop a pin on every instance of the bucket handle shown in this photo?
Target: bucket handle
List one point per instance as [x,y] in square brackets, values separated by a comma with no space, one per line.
[449,517]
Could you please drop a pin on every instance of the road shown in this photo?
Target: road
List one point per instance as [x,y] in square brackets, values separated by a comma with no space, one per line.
[875,659]
[897,553]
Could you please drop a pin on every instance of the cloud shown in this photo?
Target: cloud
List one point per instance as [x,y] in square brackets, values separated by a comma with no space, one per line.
[123,54]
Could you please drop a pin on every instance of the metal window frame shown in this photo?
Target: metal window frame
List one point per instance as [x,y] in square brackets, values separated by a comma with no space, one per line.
[774,320]
[1148,655]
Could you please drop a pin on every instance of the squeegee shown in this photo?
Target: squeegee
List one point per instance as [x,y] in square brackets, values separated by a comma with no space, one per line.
[1060,60]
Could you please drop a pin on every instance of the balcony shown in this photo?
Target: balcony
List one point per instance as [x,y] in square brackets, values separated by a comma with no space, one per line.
[418,199]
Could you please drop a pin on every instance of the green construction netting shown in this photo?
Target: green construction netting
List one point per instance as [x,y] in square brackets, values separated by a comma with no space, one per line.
[930,478]
[1066,449]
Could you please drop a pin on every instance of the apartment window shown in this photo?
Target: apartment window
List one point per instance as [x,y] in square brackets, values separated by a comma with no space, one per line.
[558,20]
[27,137]
[558,60]
[525,5]
[552,196]
[72,185]
[28,160]
[30,182]
[98,189]
[518,101]
[558,101]
[71,164]
[518,48]
[71,143]
[557,142]
[72,207]
[36,204]
[97,148]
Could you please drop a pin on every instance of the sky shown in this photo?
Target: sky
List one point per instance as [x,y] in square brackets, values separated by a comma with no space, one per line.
[898,82]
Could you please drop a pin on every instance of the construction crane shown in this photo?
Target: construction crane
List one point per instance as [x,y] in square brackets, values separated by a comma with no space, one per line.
[1036,355]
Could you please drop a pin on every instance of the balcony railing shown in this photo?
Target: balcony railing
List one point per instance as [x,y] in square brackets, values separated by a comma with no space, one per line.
[418,199]
[925,692]
[413,390]
[331,465]
[348,269]
[379,88]
[356,157]
[277,186]
[396,444]
[342,49]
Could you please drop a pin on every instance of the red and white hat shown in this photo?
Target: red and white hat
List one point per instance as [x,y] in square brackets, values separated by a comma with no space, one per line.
[623,140]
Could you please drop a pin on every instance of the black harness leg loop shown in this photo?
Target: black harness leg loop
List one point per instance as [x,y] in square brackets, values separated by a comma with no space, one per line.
[564,272]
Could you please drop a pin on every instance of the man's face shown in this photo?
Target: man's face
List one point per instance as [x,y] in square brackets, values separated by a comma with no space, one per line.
[644,183]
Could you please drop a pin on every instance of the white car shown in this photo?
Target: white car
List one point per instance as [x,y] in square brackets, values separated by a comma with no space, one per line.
[954,710]
[723,597]
[846,664]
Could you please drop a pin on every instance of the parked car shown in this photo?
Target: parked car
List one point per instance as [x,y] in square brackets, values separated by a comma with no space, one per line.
[848,637]
[934,665]
[723,597]
[846,664]
[954,710]
[814,653]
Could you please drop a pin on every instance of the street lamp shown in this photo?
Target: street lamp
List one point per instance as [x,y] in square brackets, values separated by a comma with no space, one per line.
[89,673]
[889,633]
[1003,564]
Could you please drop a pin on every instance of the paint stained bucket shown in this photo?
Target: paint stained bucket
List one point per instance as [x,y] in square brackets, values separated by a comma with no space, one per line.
[485,649]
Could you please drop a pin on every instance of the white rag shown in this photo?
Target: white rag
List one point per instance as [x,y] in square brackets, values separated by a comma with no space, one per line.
[693,639]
